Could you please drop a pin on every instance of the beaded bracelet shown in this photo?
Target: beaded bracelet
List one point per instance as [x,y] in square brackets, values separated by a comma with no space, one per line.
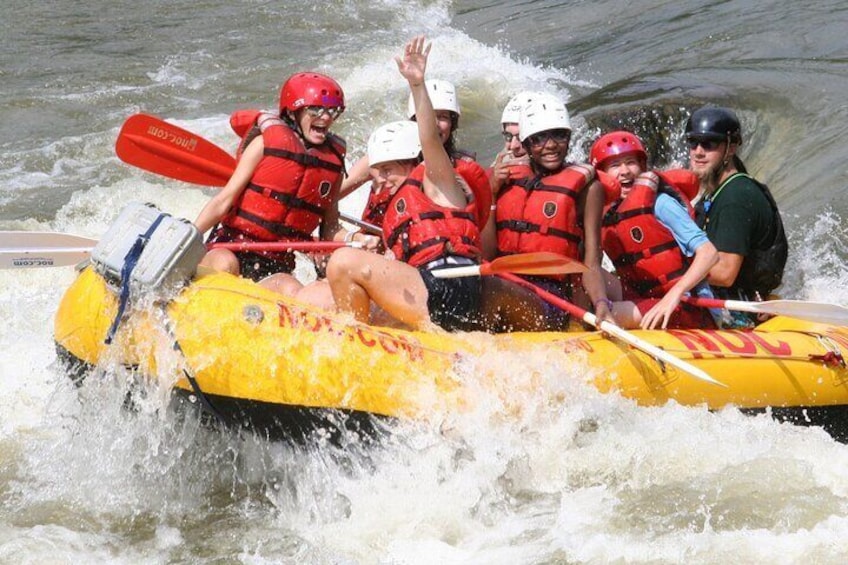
[606,301]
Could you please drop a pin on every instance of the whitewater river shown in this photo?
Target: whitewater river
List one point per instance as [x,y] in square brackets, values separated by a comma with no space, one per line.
[588,479]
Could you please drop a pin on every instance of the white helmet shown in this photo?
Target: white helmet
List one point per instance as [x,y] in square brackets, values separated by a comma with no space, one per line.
[545,112]
[512,110]
[395,141]
[442,95]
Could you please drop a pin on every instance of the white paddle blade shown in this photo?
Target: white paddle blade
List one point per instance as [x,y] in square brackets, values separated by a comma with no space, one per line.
[25,250]
[821,312]
[658,353]
[30,259]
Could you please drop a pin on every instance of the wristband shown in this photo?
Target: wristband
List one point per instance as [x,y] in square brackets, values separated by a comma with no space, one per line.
[349,236]
[606,301]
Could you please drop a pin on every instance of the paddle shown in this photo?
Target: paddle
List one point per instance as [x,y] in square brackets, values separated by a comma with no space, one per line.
[160,147]
[540,263]
[814,311]
[614,331]
[312,246]
[21,250]
[157,146]
[24,249]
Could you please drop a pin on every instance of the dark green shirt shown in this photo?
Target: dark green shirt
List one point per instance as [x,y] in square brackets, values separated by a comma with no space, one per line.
[739,217]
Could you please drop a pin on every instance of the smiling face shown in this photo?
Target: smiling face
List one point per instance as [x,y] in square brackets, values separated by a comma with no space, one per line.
[624,169]
[390,175]
[315,122]
[548,148]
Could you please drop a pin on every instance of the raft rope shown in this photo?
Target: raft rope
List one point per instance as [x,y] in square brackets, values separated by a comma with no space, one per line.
[130,262]
[205,403]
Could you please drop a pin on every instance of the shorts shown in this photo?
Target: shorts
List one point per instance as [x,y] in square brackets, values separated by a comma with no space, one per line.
[454,304]
[685,316]
[254,266]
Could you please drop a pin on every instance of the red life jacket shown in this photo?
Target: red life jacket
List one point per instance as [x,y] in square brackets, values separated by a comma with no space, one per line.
[685,181]
[471,172]
[242,120]
[611,186]
[419,231]
[644,252]
[291,187]
[539,213]
[375,208]
[475,175]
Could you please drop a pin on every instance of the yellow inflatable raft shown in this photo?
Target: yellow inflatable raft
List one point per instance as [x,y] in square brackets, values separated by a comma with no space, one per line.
[254,358]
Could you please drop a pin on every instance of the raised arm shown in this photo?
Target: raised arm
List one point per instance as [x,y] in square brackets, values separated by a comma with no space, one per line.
[440,183]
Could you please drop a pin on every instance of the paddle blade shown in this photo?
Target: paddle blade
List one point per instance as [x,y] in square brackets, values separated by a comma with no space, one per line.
[814,311]
[821,312]
[540,263]
[23,250]
[160,147]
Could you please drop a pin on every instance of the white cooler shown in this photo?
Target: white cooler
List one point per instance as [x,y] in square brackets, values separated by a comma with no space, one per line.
[168,260]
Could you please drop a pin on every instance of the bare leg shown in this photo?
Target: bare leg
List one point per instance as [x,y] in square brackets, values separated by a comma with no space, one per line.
[221,260]
[317,294]
[357,277]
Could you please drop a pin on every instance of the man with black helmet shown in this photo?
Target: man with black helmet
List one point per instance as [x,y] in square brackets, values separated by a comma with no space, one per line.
[740,215]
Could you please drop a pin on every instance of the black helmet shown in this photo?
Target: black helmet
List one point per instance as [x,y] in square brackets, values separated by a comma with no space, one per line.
[710,122]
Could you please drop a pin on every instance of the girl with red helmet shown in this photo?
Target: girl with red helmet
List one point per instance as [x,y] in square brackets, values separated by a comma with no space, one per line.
[286,182]
[650,235]
[428,199]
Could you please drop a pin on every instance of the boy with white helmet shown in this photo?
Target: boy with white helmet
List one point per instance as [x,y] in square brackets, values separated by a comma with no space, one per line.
[513,153]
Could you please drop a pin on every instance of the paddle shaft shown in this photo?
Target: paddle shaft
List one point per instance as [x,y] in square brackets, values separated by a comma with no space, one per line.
[614,331]
[20,250]
[368,227]
[283,246]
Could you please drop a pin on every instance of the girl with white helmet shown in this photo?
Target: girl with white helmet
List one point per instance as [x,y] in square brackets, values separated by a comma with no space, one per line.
[429,224]
[445,102]
[552,205]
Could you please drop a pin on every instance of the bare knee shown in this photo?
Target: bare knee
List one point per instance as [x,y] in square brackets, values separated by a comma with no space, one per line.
[347,264]
[221,260]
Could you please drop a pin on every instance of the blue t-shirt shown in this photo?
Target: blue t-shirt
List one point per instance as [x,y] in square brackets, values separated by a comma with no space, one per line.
[674,216]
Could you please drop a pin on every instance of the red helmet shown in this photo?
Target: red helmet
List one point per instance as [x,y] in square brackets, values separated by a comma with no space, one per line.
[616,144]
[310,89]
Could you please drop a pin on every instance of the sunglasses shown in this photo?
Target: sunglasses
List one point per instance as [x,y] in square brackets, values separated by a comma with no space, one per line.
[318,111]
[508,137]
[707,144]
[540,139]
